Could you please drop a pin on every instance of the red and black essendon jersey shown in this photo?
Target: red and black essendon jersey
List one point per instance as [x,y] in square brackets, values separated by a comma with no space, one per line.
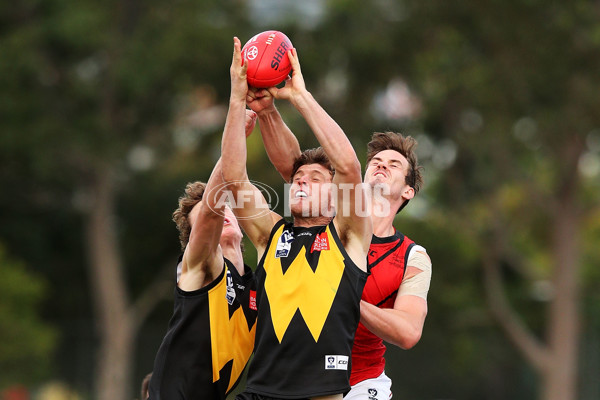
[387,262]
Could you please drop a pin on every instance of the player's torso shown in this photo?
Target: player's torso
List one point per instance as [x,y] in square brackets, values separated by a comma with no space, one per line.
[308,299]
[386,260]
[209,340]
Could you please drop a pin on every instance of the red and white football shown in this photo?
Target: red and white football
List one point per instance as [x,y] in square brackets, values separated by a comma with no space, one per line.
[268,62]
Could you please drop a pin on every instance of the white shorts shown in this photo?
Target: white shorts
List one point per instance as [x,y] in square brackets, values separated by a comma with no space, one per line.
[379,388]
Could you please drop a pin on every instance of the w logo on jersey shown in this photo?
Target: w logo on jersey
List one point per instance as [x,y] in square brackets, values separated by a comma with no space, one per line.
[301,288]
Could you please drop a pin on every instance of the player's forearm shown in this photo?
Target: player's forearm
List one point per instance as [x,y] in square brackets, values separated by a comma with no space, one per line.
[233,145]
[205,235]
[329,134]
[280,143]
[397,327]
[214,206]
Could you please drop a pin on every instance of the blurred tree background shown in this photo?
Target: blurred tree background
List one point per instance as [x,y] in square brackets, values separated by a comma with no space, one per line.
[108,109]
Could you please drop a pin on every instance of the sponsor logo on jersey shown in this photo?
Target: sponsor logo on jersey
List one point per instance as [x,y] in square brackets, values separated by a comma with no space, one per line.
[284,244]
[336,362]
[252,303]
[321,242]
[230,293]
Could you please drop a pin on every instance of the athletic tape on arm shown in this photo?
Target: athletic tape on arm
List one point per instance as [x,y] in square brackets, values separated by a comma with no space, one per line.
[417,285]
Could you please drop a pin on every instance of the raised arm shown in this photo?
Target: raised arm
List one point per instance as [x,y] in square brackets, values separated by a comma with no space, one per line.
[202,258]
[329,134]
[250,207]
[280,143]
[353,224]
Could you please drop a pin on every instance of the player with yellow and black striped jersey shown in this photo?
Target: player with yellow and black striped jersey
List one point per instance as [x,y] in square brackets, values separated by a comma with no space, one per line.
[211,334]
[209,339]
[312,271]
[309,305]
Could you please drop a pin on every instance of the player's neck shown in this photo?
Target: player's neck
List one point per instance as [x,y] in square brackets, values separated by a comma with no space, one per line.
[382,216]
[383,226]
[233,253]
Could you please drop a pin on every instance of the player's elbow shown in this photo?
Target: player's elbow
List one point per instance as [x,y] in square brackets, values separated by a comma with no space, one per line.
[285,172]
[232,177]
[349,166]
[409,339]
[227,175]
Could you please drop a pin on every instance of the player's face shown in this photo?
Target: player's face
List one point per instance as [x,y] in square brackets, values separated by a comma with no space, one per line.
[388,167]
[231,228]
[310,192]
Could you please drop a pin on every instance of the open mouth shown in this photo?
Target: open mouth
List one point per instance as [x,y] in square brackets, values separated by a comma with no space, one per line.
[301,194]
[380,173]
[226,221]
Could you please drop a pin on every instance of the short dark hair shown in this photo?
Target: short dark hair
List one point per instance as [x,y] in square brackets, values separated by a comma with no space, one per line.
[404,145]
[312,156]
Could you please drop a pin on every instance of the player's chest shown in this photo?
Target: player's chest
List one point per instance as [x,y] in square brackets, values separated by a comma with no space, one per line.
[386,273]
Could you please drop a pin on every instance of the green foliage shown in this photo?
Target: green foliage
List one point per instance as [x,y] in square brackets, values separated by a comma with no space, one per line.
[26,342]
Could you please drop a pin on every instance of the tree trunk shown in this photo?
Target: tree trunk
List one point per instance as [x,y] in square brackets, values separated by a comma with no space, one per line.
[556,359]
[113,375]
[560,379]
[115,364]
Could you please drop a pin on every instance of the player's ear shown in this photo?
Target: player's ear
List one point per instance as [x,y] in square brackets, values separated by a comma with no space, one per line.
[408,192]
